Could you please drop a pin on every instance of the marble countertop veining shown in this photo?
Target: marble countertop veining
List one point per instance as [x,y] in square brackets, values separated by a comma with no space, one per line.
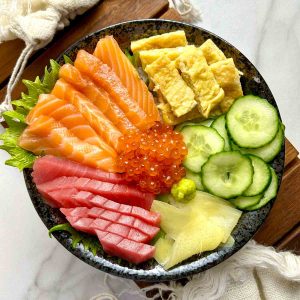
[33,266]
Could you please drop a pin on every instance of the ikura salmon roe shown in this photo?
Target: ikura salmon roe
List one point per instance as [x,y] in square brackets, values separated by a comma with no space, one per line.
[152,159]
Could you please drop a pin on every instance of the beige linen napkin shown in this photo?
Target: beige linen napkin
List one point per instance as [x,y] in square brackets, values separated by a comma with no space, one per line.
[255,272]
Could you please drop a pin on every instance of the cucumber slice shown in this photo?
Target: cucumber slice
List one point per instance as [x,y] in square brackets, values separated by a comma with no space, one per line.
[252,122]
[227,174]
[206,123]
[201,142]
[196,178]
[267,152]
[243,202]
[261,177]
[269,194]
[220,125]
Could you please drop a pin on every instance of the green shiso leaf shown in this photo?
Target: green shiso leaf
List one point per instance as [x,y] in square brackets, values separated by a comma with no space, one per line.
[20,158]
[15,119]
[68,60]
[132,57]
[88,242]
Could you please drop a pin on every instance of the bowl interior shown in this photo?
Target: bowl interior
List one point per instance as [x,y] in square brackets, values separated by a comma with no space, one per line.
[252,83]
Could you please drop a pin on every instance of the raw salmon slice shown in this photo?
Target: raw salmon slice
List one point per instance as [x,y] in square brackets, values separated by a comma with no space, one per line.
[108,51]
[70,117]
[37,144]
[117,192]
[108,80]
[103,126]
[98,96]
[48,167]
[124,248]
[65,144]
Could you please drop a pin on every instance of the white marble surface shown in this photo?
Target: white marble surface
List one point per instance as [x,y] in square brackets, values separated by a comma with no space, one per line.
[33,266]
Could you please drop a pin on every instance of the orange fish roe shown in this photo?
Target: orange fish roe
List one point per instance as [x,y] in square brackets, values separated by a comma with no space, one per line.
[153,158]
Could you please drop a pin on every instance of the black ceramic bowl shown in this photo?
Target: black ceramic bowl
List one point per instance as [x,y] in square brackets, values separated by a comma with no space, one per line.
[249,223]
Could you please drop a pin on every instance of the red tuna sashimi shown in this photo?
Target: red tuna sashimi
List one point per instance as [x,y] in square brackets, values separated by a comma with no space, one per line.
[117,192]
[143,214]
[49,167]
[120,229]
[89,225]
[81,224]
[63,198]
[129,250]
[119,218]
[82,198]
[78,212]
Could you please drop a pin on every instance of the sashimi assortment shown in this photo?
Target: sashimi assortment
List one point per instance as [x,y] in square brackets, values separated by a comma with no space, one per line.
[108,156]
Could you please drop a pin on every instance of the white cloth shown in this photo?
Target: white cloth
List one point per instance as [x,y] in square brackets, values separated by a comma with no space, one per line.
[35,22]
[255,272]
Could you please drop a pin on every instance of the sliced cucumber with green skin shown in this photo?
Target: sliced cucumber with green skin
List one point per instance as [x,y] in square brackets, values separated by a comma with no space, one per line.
[206,123]
[227,174]
[267,152]
[269,194]
[201,142]
[220,125]
[243,202]
[252,122]
[261,177]
[196,178]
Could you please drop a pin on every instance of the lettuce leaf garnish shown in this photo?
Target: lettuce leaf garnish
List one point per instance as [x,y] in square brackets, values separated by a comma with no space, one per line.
[132,57]
[15,119]
[88,242]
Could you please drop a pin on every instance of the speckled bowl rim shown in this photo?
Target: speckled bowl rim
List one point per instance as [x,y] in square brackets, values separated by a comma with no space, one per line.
[213,258]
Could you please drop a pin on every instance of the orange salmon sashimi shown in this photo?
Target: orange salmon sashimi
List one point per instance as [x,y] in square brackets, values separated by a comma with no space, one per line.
[37,144]
[107,79]
[70,117]
[53,135]
[110,53]
[104,127]
[98,96]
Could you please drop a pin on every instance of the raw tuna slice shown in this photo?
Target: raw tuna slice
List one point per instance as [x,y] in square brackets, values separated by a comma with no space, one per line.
[143,214]
[63,198]
[78,220]
[82,198]
[49,167]
[129,250]
[115,217]
[120,193]
[78,212]
[119,229]
[82,224]
[119,218]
